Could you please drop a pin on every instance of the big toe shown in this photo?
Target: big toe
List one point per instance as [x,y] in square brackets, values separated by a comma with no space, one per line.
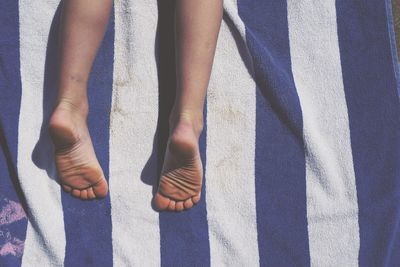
[160,202]
[100,189]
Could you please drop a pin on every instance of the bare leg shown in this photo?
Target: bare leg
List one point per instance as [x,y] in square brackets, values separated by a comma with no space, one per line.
[83,24]
[197,27]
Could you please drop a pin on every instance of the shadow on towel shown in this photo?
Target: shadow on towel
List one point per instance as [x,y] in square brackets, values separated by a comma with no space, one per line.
[166,67]
[43,153]
[165,59]
[12,169]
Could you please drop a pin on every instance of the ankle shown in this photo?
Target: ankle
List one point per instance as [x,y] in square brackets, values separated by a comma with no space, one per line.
[78,106]
[195,120]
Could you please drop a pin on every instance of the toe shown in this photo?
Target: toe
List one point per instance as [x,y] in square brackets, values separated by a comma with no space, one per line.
[67,188]
[76,192]
[100,189]
[196,199]
[188,203]
[161,202]
[84,194]
[171,206]
[179,206]
[90,193]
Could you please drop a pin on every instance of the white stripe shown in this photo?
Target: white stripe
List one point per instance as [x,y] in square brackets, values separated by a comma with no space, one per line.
[230,175]
[135,226]
[45,237]
[332,209]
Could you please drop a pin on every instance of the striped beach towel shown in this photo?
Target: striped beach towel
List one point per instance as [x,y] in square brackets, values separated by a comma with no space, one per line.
[301,145]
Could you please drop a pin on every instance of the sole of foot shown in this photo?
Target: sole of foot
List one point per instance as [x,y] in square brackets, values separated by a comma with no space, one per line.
[77,166]
[181,177]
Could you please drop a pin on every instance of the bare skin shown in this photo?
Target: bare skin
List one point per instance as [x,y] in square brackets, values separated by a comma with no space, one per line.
[196,37]
[83,24]
[82,29]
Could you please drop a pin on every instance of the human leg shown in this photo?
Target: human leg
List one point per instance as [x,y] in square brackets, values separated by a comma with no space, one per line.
[197,27]
[83,24]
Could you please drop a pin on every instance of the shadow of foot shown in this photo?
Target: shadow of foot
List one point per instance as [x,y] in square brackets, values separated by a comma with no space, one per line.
[165,55]
[43,153]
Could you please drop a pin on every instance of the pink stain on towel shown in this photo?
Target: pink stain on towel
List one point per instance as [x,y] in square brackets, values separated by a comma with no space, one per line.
[11,212]
[14,247]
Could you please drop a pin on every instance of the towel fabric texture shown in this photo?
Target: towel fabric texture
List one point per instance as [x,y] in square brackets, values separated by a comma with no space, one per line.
[301,146]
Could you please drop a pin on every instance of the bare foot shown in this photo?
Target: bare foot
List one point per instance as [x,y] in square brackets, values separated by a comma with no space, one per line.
[77,166]
[182,173]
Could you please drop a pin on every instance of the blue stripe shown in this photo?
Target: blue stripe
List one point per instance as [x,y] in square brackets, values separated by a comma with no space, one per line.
[88,223]
[183,236]
[10,98]
[374,117]
[280,160]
